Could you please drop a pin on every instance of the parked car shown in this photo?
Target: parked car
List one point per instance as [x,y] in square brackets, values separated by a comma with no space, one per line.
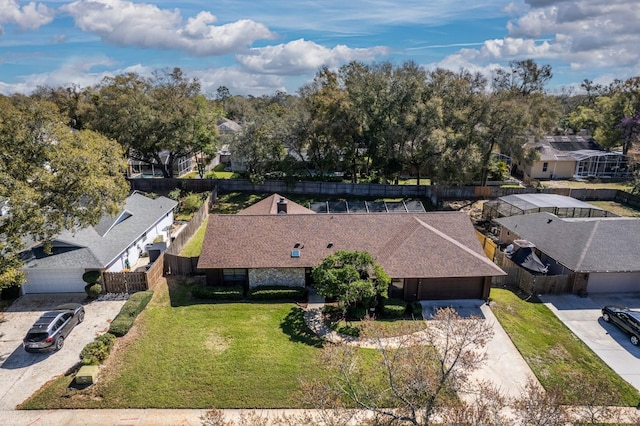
[626,319]
[50,330]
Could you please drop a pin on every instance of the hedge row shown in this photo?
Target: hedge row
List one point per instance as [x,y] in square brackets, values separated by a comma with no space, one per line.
[394,308]
[96,352]
[123,322]
[277,292]
[217,293]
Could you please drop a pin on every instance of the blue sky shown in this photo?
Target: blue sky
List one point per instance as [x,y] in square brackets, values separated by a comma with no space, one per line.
[258,47]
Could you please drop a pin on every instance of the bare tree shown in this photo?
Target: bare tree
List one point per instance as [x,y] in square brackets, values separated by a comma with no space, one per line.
[418,374]
[539,407]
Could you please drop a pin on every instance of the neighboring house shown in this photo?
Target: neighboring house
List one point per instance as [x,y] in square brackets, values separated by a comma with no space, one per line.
[114,244]
[427,255]
[597,254]
[181,166]
[573,156]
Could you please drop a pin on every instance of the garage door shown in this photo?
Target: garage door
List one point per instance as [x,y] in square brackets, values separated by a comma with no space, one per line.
[54,281]
[450,288]
[620,282]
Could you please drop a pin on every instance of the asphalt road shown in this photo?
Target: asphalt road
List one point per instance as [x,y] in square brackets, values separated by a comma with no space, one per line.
[23,373]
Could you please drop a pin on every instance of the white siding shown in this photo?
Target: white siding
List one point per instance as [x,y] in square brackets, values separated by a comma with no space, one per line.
[618,282]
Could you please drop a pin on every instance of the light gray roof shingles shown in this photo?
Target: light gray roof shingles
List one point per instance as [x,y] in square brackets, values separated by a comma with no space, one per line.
[96,247]
[582,244]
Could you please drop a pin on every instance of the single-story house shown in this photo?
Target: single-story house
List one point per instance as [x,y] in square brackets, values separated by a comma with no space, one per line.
[113,245]
[428,255]
[573,156]
[598,254]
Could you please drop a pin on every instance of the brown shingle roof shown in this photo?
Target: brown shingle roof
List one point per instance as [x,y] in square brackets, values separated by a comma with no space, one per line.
[270,206]
[420,245]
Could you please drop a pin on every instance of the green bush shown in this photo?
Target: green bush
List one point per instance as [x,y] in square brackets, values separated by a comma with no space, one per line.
[123,322]
[394,308]
[357,313]
[349,330]
[276,292]
[415,309]
[91,277]
[217,293]
[191,203]
[93,290]
[96,352]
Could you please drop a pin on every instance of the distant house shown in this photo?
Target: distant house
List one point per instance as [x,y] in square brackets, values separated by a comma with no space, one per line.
[427,255]
[597,254]
[573,156]
[114,244]
[181,166]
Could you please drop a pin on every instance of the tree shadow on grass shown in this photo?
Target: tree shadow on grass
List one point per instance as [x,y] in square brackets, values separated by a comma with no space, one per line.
[296,328]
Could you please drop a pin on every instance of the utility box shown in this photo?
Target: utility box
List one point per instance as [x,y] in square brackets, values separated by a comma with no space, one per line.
[87,375]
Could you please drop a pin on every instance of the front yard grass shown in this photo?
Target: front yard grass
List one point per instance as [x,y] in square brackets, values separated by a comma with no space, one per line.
[185,354]
[556,356]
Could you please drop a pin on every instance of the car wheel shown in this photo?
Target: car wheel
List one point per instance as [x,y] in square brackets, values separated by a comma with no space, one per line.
[634,340]
[80,316]
[59,343]
[606,317]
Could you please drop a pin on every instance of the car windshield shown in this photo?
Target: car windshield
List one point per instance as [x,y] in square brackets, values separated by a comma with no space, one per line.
[36,337]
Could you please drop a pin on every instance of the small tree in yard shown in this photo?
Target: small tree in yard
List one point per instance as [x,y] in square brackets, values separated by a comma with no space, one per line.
[415,379]
[352,277]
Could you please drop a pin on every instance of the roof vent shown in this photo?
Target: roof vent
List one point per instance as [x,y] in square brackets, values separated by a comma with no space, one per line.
[295,253]
[330,245]
[282,206]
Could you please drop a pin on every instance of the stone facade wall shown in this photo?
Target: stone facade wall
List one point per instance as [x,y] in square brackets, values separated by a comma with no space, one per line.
[292,277]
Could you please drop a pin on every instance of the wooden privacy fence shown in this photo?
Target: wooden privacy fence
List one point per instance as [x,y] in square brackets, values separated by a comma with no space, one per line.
[180,265]
[533,284]
[488,245]
[131,282]
[124,282]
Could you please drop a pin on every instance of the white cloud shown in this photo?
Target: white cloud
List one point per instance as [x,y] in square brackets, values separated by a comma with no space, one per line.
[238,82]
[302,56]
[582,35]
[125,23]
[30,16]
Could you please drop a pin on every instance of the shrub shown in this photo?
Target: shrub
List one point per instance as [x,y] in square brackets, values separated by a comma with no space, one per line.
[191,203]
[91,277]
[123,322]
[349,330]
[96,352]
[358,313]
[217,293]
[394,308]
[415,309]
[275,292]
[93,290]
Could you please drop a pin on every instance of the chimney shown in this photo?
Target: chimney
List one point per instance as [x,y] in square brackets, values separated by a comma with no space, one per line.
[282,206]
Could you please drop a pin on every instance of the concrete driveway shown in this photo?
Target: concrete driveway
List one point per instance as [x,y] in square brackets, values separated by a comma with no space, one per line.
[22,373]
[504,367]
[612,345]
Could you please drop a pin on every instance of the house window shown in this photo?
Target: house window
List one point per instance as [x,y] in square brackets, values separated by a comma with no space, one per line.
[232,276]
[545,166]
[396,290]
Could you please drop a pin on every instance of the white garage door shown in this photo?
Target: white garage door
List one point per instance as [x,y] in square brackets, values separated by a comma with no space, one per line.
[54,281]
[620,282]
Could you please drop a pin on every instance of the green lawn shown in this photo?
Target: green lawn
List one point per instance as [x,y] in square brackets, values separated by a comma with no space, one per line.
[235,355]
[556,356]
[194,247]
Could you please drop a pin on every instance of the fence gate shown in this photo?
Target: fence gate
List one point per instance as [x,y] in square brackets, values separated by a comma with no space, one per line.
[124,282]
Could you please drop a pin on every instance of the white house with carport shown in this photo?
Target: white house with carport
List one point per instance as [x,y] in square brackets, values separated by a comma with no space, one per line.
[600,254]
[115,244]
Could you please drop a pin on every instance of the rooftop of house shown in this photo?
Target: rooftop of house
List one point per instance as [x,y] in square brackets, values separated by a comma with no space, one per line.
[270,205]
[97,246]
[412,245]
[606,244]
[558,148]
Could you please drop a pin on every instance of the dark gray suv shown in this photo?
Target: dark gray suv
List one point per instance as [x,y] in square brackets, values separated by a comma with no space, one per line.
[50,330]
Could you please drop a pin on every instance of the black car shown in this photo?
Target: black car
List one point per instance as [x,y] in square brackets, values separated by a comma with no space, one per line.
[626,319]
[50,330]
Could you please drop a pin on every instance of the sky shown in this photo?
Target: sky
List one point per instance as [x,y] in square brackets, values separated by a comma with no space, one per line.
[262,46]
